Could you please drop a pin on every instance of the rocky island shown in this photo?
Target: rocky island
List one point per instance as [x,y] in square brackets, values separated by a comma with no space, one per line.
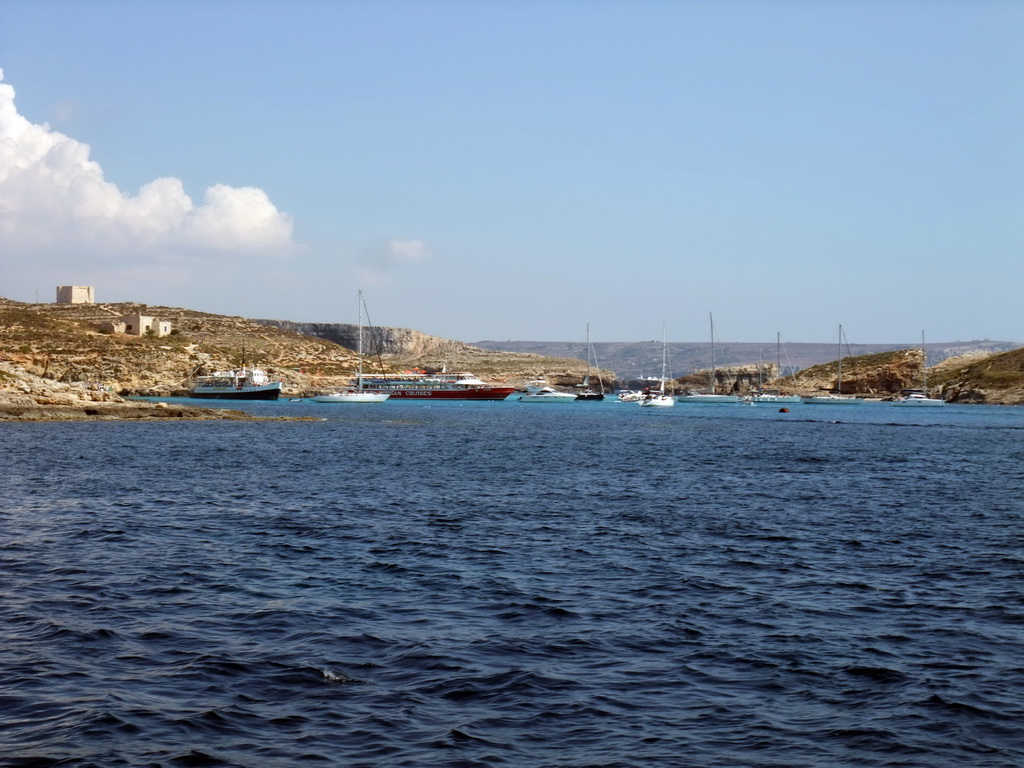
[64,361]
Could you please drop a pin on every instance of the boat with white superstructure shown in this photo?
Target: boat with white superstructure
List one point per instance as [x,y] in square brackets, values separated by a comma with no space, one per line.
[540,392]
[245,383]
[437,386]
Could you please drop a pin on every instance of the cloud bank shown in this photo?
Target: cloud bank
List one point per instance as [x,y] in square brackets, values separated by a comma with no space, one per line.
[54,199]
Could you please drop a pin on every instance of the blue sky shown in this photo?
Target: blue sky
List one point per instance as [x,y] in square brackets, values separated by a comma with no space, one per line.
[516,170]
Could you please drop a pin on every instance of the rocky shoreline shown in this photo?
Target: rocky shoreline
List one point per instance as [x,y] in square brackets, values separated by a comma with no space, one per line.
[26,397]
[117,412]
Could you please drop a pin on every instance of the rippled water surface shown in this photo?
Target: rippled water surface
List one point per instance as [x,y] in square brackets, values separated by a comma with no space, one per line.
[590,584]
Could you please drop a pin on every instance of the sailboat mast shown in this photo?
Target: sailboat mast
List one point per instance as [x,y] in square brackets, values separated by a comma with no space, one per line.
[839,378]
[664,359]
[586,382]
[924,366]
[778,355]
[714,372]
[359,344]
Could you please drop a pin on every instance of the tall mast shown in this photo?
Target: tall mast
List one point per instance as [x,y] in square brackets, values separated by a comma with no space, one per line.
[839,379]
[359,345]
[778,355]
[924,366]
[664,359]
[714,377]
[586,381]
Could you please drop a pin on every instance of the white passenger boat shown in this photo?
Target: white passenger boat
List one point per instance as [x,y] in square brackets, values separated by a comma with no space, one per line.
[243,384]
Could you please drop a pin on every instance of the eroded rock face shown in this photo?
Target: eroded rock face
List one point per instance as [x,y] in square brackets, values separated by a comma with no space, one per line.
[878,375]
[20,387]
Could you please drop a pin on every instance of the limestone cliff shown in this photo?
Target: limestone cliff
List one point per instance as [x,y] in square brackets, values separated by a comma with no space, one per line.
[989,379]
[881,375]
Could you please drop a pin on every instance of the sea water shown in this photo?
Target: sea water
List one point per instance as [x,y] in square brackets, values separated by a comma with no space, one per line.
[487,584]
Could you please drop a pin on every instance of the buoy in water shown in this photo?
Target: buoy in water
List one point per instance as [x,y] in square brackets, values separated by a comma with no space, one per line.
[783,410]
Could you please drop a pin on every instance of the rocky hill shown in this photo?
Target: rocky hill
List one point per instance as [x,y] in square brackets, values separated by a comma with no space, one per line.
[406,348]
[981,379]
[636,359]
[66,343]
[880,375]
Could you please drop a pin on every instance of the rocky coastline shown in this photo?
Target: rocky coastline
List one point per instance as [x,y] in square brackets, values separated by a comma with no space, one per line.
[26,397]
[60,361]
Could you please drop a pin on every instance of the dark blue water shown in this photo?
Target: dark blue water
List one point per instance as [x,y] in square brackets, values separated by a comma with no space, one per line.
[591,584]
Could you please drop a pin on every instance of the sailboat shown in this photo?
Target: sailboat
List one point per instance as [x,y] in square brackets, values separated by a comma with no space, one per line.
[659,399]
[710,397]
[355,394]
[918,398]
[838,398]
[586,393]
[772,397]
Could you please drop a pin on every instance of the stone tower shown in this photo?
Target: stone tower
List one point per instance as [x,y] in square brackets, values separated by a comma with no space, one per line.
[75,294]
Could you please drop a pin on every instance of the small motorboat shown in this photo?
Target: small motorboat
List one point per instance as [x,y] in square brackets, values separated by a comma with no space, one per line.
[919,400]
[539,392]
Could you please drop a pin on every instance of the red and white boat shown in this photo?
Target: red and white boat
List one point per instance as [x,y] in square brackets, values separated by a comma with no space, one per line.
[436,386]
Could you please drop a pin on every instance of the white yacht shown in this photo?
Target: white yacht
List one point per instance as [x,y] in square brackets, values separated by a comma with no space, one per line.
[918,398]
[540,392]
[657,398]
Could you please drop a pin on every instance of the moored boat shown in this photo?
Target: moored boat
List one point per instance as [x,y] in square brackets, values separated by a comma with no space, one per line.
[831,400]
[436,386]
[243,384]
[659,398]
[710,397]
[539,392]
[352,396]
[919,400]
[358,393]
[771,398]
[583,391]
[837,397]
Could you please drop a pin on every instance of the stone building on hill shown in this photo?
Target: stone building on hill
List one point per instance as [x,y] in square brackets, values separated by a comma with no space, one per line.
[76,294]
[140,325]
[137,324]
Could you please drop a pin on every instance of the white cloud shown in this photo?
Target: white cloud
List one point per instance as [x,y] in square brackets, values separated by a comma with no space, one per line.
[381,259]
[54,200]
